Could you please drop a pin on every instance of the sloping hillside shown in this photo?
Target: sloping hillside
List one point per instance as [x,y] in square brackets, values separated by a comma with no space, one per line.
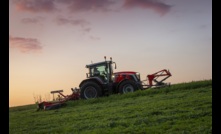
[181,108]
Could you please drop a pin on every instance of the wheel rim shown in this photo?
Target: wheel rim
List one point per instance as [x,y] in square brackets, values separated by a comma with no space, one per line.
[90,92]
[128,88]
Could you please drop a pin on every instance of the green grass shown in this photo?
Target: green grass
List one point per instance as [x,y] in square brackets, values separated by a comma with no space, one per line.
[180,109]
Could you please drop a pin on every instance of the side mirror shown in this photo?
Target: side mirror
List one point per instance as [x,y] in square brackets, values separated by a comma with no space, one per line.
[115,66]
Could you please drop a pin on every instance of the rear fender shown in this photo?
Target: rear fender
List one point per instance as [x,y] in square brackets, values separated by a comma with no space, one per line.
[95,79]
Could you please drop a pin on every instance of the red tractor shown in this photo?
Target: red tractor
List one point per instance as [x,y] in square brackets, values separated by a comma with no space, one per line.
[101,80]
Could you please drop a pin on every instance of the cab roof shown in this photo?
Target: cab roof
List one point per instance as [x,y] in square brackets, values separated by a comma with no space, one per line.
[98,63]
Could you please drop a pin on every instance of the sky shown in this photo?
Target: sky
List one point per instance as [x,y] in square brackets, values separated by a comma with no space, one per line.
[51,41]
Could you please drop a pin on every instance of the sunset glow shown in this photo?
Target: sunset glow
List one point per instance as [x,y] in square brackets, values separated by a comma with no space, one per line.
[51,41]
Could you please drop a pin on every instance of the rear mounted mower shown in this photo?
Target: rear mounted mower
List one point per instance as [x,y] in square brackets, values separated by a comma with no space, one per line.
[61,100]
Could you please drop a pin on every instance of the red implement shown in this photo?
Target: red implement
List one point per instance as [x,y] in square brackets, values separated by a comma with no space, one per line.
[152,79]
[61,100]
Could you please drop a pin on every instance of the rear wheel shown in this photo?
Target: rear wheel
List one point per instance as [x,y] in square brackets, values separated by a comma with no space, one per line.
[127,86]
[90,90]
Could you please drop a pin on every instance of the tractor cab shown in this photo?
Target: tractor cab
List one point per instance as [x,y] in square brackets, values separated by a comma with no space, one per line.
[101,70]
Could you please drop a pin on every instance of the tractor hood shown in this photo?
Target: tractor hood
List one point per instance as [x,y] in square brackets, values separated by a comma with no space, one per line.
[118,76]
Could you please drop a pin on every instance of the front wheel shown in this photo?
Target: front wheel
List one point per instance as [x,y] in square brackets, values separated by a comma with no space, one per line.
[90,90]
[127,86]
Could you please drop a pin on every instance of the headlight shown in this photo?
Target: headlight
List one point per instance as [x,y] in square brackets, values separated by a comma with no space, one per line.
[138,75]
[113,77]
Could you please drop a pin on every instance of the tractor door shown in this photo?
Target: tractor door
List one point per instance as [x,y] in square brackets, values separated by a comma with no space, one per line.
[100,71]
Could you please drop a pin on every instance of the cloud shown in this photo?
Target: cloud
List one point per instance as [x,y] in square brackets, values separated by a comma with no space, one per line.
[87,5]
[75,22]
[83,24]
[155,5]
[25,44]
[35,5]
[32,20]
[94,38]
[75,6]
[87,29]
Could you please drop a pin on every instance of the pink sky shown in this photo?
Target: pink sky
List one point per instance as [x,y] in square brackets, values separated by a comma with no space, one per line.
[51,41]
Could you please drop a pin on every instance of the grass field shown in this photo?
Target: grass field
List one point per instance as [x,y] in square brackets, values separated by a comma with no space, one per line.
[180,109]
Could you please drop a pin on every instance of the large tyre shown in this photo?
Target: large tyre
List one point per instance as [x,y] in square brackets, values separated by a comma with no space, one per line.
[127,86]
[90,90]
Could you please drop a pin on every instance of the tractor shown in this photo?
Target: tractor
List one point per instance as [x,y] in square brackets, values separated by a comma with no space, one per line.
[102,80]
